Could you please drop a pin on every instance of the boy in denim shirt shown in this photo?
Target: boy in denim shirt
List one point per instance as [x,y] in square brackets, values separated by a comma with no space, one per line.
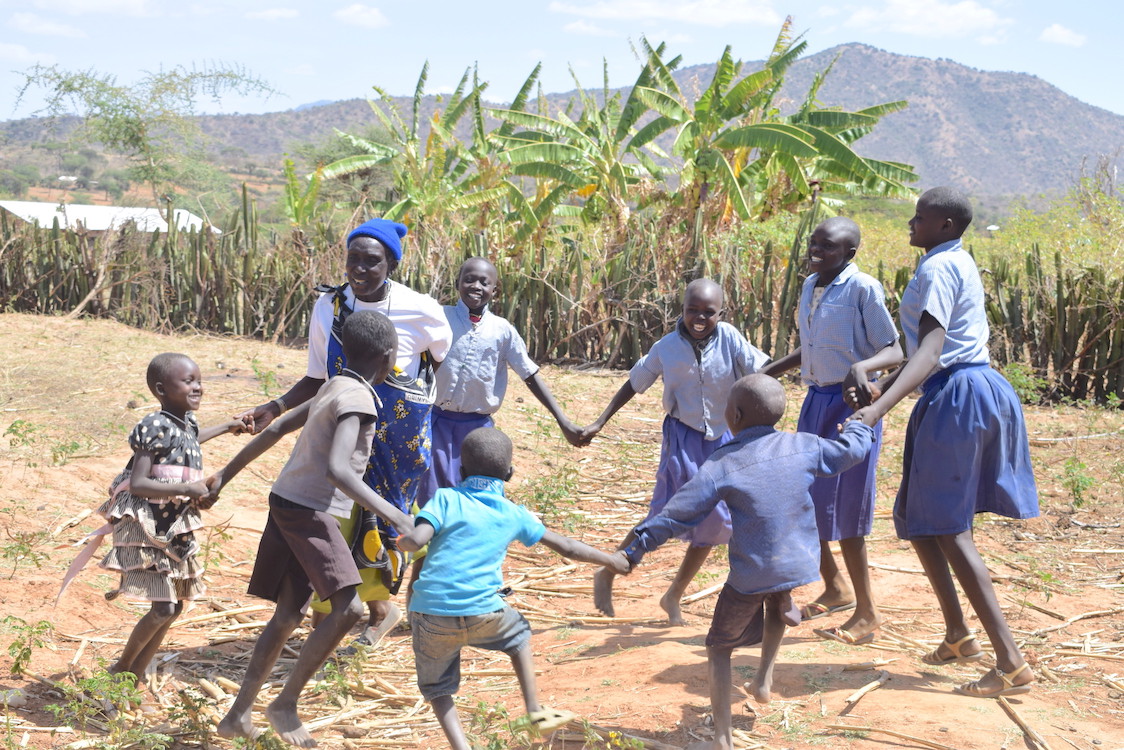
[763,476]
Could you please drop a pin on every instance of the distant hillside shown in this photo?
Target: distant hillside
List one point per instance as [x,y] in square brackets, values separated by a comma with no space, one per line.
[991,133]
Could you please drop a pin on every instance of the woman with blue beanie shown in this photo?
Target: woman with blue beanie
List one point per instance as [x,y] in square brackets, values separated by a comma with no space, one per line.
[401,451]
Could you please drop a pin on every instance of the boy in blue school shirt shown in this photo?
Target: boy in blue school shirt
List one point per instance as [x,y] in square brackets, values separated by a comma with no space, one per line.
[472,381]
[456,600]
[764,477]
[699,362]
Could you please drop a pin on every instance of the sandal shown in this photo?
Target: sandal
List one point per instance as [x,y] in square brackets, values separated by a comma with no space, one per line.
[842,636]
[816,610]
[543,721]
[958,656]
[1009,687]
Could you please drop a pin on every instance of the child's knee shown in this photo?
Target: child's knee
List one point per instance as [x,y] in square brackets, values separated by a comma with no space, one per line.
[165,611]
[347,604]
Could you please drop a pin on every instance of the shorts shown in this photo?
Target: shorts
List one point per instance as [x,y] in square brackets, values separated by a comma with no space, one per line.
[304,546]
[739,619]
[438,641]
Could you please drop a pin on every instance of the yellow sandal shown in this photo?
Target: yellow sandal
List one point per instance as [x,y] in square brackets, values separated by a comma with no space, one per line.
[958,656]
[1009,687]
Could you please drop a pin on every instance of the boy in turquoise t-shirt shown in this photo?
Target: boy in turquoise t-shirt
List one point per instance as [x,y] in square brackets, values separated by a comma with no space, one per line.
[456,600]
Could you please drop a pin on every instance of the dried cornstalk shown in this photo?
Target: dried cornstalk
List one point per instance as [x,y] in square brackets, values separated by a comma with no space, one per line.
[1028,731]
[891,733]
[882,678]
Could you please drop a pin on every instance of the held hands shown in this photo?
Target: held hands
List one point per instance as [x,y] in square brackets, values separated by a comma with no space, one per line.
[858,391]
[241,424]
[574,435]
[260,417]
[588,432]
[868,415]
[214,486]
[619,564]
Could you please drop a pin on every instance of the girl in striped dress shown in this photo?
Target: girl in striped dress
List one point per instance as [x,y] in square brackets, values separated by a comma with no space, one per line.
[153,508]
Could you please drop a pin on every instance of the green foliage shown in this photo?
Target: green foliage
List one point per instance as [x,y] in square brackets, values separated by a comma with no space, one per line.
[28,637]
[490,727]
[1077,480]
[1026,383]
[552,496]
[267,379]
[112,690]
[148,121]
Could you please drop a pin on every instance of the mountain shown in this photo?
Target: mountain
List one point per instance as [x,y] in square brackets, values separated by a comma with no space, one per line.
[990,133]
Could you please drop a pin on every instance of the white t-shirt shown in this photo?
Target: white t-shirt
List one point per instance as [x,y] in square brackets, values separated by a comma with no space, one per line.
[418,318]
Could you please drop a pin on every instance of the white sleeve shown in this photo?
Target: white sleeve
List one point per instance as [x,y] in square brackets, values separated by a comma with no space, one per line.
[319,327]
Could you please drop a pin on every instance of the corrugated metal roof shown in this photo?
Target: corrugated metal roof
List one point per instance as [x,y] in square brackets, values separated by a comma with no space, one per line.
[100,218]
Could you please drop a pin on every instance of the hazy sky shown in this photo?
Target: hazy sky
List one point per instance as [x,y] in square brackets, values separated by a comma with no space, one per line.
[337,49]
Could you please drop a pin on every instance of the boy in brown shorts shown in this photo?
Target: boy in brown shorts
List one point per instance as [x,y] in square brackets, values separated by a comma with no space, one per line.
[302,549]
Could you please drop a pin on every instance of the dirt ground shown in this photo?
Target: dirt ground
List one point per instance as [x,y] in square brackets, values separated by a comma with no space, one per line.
[71,390]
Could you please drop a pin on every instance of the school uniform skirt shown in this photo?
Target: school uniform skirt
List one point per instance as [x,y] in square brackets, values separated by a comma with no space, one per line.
[450,428]
[966,452]
[682,453]
[845,502]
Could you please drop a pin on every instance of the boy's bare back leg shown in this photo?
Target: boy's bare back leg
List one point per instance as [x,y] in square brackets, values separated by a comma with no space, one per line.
[286,617]
[523,662]
[866,618]
[282,712]
[693,560]
[445,709]
[718,666]
[762,685]
[603,584]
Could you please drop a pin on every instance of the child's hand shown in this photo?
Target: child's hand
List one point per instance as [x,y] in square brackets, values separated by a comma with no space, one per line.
[196,490]
[207,501]
[573,434]
[868,415]
[619,564]
[241,424]
[588,432]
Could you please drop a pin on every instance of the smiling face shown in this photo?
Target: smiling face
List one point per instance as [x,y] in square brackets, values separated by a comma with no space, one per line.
[368,266]
[702,308]
[180,388]
[832,245]
[477,283]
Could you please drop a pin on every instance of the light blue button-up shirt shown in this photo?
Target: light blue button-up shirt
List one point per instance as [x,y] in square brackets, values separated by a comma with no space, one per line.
[473,377]
[947,285]
[695,389]
[850,324]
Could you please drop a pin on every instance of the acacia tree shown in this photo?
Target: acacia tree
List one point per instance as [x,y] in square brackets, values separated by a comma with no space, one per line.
[148,121]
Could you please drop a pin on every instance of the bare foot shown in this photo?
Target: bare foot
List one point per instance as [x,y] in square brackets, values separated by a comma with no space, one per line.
[759,691]
[284,720]
[670,604]
[603,592]
[237,725]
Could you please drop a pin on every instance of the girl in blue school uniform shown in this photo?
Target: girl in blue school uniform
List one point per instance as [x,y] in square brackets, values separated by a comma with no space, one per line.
[966,448]
[699,362]
[472,382]
[846,336]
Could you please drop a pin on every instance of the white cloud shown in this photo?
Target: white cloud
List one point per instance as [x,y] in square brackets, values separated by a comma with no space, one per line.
[932,18]
[1058,34]
[585,28]
[702,12]
[29,23]
[273,14]
[304,70]
[80,7]
[17,53]
[358,14]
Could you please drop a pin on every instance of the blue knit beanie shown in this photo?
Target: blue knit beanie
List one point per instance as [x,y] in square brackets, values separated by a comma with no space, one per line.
[389,233]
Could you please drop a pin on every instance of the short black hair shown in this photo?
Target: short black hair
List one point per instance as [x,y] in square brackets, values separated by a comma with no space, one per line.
[367,332]
[159,366]
[951,203]
[849,226]
[486,452]
[760,397]
[477,259]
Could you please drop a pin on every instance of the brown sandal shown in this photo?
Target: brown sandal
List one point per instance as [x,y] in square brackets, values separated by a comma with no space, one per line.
[1009,687]
[958,656]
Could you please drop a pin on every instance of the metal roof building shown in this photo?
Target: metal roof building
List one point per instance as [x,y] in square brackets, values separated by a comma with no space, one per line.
[100,218]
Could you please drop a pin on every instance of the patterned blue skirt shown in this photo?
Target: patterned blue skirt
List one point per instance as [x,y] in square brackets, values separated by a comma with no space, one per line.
[682,453]
[966,452]
[845,502]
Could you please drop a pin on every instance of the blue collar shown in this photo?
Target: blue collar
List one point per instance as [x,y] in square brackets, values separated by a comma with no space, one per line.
[481,483]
